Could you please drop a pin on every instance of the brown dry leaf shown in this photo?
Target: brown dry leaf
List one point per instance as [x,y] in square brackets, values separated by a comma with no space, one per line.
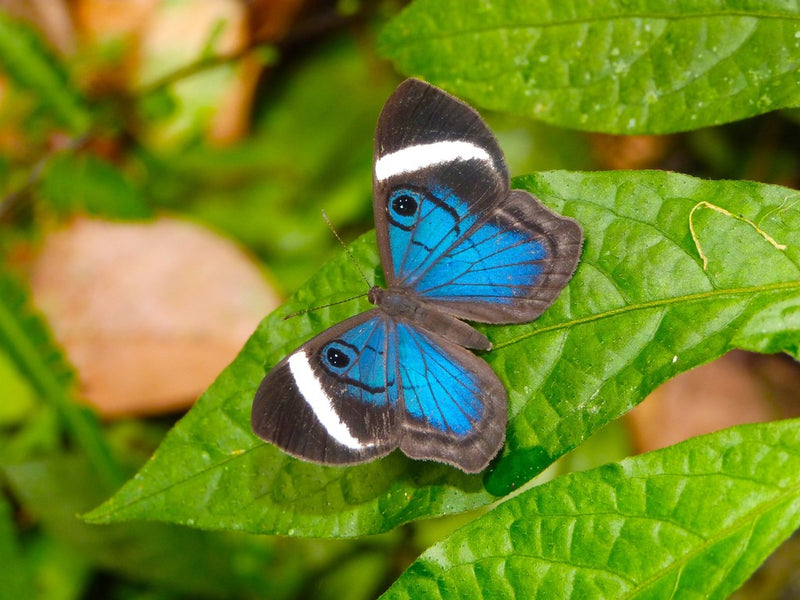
[629,151]
[50,16]
[737,388]
[102,23]
[150,313]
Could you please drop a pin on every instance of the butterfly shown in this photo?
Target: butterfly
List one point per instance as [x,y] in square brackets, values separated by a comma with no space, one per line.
[455,243]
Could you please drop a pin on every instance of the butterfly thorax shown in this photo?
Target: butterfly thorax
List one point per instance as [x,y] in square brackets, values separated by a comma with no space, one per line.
[394,302]
[404,305]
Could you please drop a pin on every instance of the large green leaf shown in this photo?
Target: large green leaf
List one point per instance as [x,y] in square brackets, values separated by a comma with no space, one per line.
[691,521]
[641,308]
[648,66]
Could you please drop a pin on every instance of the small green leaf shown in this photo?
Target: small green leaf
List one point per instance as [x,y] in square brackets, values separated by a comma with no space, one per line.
[691,521]
[25,59]
[648,66]
[640,309]
[27,341]
[157,105]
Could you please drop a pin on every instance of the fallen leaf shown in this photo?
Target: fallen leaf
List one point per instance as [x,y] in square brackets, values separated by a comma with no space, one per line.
[148,313]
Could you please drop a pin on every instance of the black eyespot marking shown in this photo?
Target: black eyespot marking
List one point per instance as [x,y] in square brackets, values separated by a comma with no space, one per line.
[404,205]
[336,358]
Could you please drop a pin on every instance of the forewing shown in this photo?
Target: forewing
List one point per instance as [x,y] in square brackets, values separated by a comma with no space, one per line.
[454,408]
[434,151]
[448,227]
[333,400]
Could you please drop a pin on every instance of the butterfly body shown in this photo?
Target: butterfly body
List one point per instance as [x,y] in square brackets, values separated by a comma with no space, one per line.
[400,304]
[455,244]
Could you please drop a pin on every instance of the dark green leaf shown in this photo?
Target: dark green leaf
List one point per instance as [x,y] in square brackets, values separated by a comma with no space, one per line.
[692,521]
[649,66]
[26,339]
[641,308]
[26,60]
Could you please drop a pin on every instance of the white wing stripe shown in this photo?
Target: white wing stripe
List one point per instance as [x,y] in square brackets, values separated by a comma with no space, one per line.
[414,158]
[315,396]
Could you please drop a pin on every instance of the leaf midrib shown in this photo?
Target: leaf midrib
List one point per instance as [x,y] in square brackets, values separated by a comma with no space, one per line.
[662,302]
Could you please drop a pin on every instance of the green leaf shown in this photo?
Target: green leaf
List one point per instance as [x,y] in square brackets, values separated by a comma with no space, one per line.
[640,309]
[26,60]
[27,341]
[694,520]
[648,66]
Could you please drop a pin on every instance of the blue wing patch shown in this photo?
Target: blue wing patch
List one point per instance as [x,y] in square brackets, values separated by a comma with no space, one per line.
[500,263]
[436,389]
[441,251]
[422,226]
[360,359]
[488,263]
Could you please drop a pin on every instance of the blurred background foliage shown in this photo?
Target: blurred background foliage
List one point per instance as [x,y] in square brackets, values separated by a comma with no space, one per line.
[243,120]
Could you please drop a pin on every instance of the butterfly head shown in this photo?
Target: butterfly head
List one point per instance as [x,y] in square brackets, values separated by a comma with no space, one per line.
[375,295]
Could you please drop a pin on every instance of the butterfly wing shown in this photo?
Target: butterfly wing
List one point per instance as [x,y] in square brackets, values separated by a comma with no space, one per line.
[448,226]
[333,400]
[370,384]
[454,408]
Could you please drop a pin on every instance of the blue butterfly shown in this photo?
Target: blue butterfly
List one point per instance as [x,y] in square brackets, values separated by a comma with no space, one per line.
[455,243]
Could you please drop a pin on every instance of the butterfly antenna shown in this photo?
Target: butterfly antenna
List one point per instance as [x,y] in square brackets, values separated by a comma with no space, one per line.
[355,262]
[346,249]
[313,308]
